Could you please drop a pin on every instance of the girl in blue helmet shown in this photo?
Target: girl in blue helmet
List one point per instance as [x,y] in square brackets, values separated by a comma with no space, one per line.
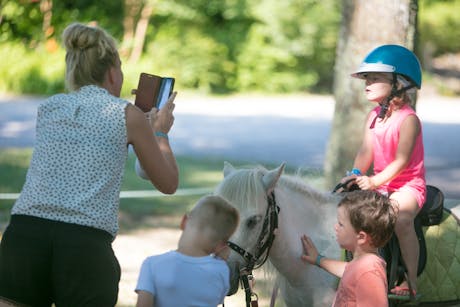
[393,144]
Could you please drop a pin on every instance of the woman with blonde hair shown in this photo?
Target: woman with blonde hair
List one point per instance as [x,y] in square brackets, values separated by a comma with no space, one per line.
[57,246]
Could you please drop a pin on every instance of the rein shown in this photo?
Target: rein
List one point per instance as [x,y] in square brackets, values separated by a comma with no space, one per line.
[345,186]
[264,243]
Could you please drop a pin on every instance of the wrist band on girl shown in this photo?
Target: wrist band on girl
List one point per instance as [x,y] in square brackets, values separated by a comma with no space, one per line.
[318,260]
[354,171]
[161,134]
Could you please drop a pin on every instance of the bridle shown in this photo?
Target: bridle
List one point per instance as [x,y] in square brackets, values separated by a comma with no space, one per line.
[263,245]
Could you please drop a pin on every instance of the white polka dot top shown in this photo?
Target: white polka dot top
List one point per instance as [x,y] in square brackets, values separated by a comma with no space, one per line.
[77,165]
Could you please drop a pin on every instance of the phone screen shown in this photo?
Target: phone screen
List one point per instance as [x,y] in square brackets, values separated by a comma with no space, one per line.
[166,89]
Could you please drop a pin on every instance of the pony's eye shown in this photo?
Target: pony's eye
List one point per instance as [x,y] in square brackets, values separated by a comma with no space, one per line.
[253,220]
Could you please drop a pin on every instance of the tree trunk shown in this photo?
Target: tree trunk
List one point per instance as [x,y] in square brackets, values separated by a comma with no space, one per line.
[366,24]
[46,8]
[131,10]
[141,31]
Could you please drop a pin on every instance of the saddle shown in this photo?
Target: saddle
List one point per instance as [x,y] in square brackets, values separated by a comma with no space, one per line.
[430,214]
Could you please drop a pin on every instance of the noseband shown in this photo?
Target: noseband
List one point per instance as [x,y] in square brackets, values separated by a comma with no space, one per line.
[263,245]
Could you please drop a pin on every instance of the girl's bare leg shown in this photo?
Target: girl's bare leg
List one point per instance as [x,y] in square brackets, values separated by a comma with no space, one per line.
[405,231]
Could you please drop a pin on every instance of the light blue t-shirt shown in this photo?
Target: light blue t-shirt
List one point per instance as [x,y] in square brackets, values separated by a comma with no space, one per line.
[78,161]
[175,279]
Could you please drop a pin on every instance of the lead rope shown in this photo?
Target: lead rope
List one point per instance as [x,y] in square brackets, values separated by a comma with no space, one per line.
[251,297]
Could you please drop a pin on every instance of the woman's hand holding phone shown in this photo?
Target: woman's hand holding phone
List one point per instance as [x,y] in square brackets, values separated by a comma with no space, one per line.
[163,119]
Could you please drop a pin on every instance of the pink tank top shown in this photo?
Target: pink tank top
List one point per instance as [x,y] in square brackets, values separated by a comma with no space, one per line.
[386,139]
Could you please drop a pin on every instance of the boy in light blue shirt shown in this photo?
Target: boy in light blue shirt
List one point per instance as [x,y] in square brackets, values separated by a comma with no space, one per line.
[195,274]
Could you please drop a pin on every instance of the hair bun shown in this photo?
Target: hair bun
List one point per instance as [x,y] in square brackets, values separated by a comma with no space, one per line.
[79,37]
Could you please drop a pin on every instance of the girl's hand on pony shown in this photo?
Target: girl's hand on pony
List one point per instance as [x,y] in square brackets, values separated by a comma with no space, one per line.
[365,183]
[348,178]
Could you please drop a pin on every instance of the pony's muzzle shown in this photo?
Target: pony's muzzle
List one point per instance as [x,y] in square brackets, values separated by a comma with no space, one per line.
[234,277]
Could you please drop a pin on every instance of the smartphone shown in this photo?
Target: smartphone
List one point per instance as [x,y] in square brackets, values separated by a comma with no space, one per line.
[147,91]
[166,89]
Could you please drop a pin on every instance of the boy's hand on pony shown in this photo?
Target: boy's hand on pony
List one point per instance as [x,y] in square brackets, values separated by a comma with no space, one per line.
[310,252]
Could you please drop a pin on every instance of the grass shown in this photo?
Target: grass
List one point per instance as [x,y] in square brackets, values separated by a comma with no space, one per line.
[135,213]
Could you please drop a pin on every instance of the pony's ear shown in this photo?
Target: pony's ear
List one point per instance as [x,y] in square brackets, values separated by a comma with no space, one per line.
[271,178]
[228,168]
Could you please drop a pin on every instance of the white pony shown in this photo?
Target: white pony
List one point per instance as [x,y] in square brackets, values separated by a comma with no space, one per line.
[302,210]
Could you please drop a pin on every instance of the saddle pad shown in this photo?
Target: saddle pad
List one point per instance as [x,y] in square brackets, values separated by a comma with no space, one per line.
[440,281]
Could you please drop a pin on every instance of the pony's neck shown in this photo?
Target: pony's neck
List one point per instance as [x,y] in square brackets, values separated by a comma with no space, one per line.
[301,213]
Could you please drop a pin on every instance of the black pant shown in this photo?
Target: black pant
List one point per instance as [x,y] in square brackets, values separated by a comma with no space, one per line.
[44,262]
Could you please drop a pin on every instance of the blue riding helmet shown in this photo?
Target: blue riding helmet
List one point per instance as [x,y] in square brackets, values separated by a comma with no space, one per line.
[393,59]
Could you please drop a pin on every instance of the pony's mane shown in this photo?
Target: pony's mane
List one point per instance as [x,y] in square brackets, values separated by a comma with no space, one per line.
[243,186]
[297,183]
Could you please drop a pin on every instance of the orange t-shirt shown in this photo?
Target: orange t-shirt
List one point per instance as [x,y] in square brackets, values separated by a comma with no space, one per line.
[363,284]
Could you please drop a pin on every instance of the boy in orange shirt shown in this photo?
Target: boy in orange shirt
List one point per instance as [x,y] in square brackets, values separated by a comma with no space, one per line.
[365,222]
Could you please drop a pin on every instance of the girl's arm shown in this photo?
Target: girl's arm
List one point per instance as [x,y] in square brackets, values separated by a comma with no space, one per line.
[365,155]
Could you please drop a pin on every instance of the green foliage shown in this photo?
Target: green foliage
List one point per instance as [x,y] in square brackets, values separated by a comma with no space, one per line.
[36,71]
[200,44]
[440,26]
[215,46]
[222,46]
[107,14]
[196,61]
[288,49]
[19,20]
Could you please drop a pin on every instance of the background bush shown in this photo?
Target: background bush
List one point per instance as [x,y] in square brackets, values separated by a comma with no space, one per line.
[215,46]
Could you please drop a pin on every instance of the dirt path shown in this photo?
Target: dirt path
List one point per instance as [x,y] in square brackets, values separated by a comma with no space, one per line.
[131,249]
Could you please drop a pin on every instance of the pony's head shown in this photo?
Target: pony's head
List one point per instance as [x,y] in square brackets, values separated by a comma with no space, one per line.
[264,197]
[250,191]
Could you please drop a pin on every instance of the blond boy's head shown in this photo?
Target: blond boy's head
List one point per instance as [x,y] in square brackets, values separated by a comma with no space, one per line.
[214,217]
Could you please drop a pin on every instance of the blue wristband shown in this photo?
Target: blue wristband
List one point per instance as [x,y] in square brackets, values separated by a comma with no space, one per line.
[354,171]
[162,134]
[318,260]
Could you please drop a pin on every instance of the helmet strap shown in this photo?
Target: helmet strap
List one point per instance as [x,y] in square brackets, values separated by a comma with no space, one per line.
[386,103]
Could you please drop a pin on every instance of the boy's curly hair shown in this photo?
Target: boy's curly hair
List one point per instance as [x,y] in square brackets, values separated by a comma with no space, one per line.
[373,213]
